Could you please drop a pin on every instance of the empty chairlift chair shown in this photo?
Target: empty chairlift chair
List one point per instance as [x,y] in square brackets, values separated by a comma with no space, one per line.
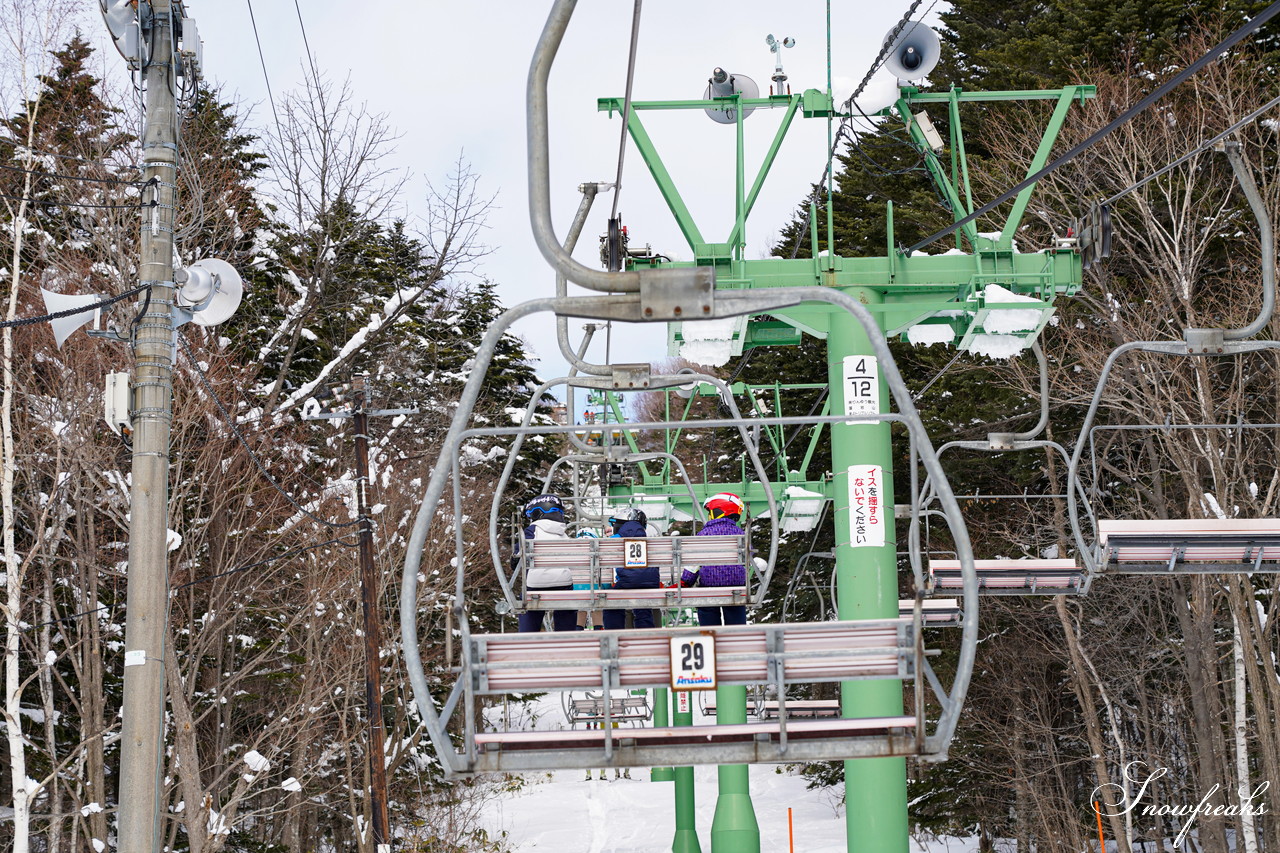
[1195,546]
[1011,576]
[1200,545]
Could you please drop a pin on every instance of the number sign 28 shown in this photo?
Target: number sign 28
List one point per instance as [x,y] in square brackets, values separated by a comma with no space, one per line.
[635,553]
[693,662]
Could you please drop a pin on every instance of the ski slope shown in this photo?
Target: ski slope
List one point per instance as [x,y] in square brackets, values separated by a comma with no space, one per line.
[563,812]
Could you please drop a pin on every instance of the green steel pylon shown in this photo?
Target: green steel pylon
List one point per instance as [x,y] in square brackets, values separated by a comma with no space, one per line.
[903,291]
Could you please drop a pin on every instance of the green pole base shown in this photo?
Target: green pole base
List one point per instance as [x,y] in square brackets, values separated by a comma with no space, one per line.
[686,841]
[734,829]
[662,774]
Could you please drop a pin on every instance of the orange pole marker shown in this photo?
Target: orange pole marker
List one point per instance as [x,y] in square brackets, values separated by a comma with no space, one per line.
[791,834]
[1102,845]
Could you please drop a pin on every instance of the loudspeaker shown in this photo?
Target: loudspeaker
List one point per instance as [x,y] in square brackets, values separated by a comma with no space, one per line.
[58,302]
[914,53]
[211,293]
[722,84]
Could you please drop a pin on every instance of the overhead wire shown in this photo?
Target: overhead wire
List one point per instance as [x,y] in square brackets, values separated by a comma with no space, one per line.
[290,553]
[626,106]
[47,202]
[1202,147]
[266,77]
[315,74]
[58,315]
[1124,118]
[63,177]
[257,462]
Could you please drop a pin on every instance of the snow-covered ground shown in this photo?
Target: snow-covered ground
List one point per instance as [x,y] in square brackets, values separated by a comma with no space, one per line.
[562,812]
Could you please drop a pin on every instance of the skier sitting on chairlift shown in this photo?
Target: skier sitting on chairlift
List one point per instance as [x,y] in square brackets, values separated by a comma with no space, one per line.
[631,525]
[545,517]
[723,512]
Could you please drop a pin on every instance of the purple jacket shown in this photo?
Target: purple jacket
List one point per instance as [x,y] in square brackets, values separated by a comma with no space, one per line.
[717,575]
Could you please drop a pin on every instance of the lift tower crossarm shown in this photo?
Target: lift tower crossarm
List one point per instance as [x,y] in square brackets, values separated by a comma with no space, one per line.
[666,186]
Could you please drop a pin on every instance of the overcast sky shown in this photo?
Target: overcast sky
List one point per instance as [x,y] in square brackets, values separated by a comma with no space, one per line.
[450,78]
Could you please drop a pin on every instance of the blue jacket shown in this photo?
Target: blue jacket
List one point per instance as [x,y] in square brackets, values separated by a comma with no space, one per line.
[717,575]
[647,578]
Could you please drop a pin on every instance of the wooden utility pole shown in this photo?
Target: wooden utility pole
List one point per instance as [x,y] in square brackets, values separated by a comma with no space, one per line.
[359,414]
[372,625]
[142,742]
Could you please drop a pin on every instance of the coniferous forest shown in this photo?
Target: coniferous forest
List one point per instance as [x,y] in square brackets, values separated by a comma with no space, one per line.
[1074,699]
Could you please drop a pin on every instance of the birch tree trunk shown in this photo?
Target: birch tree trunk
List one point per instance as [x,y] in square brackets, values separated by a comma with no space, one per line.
[1241,722]
[12,609]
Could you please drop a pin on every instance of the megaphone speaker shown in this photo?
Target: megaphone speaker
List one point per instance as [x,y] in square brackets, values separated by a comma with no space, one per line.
[914,53]
[59,302]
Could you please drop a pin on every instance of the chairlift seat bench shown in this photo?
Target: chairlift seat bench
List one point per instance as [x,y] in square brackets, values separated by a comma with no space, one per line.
[745,654]
[1190,546]
[1012,577]
[934,612]
[622,709]
[593,561]
[663,598]
[811,708]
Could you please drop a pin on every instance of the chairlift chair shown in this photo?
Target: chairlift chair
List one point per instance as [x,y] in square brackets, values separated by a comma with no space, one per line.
[1025,576]
[779,655]
[1184,546]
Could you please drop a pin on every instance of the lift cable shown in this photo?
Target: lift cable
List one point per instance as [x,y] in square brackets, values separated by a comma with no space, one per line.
[257,462]
[1184,158]
[1158,93]
[626,106]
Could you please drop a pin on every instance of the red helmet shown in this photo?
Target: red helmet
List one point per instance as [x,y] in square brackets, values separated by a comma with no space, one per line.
[724,504]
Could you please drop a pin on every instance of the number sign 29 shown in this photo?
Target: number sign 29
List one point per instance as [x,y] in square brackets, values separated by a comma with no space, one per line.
[693,662]
[635,553]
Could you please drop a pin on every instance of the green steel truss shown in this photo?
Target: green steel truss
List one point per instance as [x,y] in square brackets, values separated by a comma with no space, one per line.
[908,290]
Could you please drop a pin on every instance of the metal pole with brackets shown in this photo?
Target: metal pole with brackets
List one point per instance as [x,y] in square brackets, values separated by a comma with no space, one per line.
[146,628]
[205,293]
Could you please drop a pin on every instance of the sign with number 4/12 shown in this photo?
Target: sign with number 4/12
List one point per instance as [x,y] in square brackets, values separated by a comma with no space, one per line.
[693,662]
[635,553]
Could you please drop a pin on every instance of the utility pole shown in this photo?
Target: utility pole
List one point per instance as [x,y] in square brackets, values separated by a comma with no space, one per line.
[359,414]
[372,628]
[142,742]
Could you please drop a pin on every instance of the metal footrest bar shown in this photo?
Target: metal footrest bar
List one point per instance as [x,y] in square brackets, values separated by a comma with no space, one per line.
[747,743]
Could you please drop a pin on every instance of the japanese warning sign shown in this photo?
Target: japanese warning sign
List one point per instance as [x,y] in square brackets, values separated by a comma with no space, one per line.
[866,506]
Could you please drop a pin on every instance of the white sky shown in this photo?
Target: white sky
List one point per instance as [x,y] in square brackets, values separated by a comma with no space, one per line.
[450,78]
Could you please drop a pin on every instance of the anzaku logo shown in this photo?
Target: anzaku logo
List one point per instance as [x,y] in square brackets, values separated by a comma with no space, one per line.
[1140,800]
